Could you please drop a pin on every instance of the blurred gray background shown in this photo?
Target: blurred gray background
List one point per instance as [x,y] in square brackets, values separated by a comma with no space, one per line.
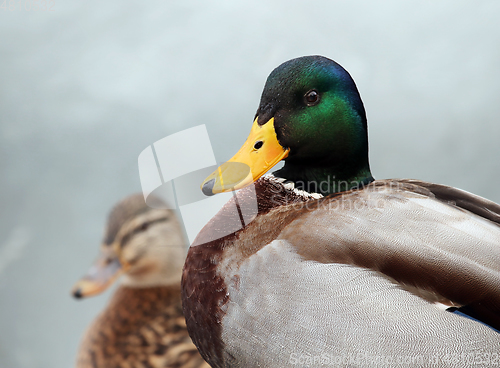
[86,87]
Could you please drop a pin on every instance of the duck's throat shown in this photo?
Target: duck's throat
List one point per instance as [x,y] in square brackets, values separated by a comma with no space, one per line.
[325,180]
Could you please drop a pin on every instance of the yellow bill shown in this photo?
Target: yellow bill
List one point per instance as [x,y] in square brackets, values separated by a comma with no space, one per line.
[259,153]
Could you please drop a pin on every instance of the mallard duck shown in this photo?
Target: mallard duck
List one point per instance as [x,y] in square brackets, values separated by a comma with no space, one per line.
[143,324]
[335,268]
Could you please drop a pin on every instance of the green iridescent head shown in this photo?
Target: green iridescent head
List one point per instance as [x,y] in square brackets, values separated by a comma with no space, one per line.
[318,114]
[310,115]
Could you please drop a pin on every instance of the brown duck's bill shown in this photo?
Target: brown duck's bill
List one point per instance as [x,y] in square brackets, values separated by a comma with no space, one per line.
[100,276]
[259,154]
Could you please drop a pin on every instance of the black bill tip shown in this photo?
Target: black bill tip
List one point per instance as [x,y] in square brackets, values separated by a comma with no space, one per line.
[78,293]
[208,187]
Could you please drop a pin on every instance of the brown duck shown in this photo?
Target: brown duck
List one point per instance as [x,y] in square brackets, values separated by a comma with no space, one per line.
[143,324]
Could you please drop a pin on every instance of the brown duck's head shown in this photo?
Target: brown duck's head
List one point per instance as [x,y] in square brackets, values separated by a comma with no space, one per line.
[146,245]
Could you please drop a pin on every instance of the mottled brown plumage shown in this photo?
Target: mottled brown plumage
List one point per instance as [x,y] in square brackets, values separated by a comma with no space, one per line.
[140,328]
[143,325]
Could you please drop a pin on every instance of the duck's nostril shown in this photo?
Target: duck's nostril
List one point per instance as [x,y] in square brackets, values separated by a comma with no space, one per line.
[208,187]
[258,145]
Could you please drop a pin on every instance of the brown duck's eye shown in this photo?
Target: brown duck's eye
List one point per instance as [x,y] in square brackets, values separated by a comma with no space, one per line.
[258,144]
[311,97]
[144,226]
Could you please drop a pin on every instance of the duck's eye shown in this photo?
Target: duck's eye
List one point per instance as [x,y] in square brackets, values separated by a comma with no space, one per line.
[258,144]
[311,97]
[144,226]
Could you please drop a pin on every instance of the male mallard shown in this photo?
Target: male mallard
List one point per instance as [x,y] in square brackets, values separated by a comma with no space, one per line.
[143,325]
[356,278]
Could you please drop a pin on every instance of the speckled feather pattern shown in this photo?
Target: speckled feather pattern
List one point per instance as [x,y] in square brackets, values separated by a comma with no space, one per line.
[204,290]
[331,275]
[284,308]
[140,328]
